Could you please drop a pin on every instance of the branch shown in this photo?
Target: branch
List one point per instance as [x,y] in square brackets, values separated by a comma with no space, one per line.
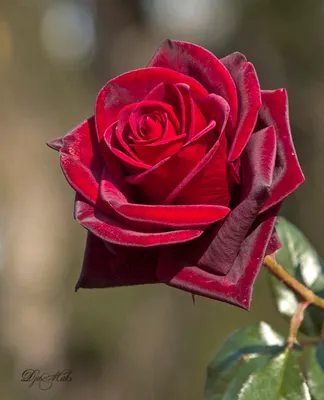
[305,293]
[295,323]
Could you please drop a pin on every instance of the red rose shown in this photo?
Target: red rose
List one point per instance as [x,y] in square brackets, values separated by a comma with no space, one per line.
[180,174]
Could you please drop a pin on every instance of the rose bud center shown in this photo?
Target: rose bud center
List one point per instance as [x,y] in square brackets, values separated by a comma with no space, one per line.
[150,126]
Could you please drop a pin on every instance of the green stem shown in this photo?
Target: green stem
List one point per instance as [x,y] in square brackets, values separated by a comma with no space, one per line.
[305,293]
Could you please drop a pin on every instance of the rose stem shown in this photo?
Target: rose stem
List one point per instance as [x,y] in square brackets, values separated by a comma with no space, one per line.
[278,271]
[295,323]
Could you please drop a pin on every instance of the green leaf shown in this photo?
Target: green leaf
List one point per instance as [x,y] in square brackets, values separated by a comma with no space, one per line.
[245,351]
[280,379]
[315,371]
[300,259]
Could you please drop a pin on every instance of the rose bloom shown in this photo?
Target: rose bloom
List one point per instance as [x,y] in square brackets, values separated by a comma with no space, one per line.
[180,174]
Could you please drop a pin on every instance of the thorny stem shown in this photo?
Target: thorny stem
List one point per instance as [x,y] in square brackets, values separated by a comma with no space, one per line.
[305,293]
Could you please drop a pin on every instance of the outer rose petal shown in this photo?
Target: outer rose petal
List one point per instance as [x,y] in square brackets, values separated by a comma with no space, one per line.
[81,160]
[235,287]
[249,100]
[288,174]
[220,247]
[108,266]
[195,61]
[132,87]
[163,216]
[112,231]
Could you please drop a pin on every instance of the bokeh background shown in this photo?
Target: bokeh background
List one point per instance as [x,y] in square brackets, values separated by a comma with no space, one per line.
[140,343]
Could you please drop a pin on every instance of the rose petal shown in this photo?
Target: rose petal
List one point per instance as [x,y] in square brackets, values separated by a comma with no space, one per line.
[215,108]
[171,95]
[288,174]
[130,161]
[112,231]
[210,174]
[249,100]
[193,60]
[81,160]
[235,287]
[110,266]
[188,216]
[153,153]
[132,87]
[159,181]
[218,252]
[209,182]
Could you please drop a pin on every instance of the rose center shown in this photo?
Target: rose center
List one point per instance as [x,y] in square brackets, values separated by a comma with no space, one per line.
[150,126]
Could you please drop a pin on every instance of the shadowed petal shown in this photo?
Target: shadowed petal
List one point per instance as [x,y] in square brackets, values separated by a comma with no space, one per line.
[249,100]
[221,246]
[106,265]
[288,174]
[235,287]
[249,103]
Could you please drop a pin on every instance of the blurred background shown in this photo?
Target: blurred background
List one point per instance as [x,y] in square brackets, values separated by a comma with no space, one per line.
[141,343]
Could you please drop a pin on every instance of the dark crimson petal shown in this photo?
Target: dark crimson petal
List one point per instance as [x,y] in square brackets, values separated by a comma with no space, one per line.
[188,216]
[159,181]
[55,144]
[249,100]
[258,160]
[106,265]
[112,231]
[235,287]
[132,87]
[202,65]
[81,161]
[288,174]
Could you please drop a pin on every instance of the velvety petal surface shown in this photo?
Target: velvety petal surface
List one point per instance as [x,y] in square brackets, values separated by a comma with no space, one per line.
[220,247]
[132,87]
[113,231]
[164,216]
[158,182]
[106,265]
[249,100]
[197,62]
[81,160]
[208,182]
[288,174]
[235,287]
